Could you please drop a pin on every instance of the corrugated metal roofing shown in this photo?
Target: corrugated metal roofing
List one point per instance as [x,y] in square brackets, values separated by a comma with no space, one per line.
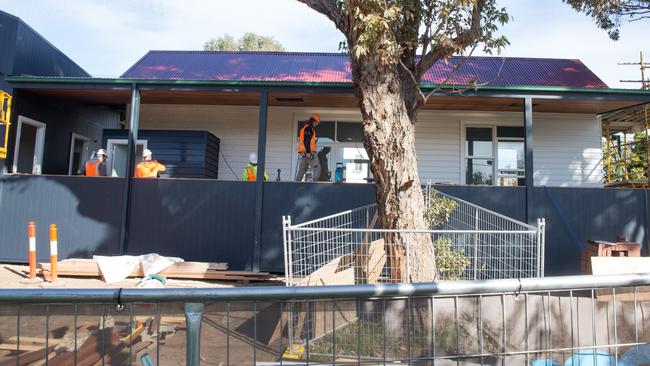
[335,68]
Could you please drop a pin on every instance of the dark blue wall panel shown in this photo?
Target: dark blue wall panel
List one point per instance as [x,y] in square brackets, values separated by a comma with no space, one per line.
[211,220]
[185,154]
[195,219]
[509,201]
[303,202]
[86,211]
[62,117]
[36,56]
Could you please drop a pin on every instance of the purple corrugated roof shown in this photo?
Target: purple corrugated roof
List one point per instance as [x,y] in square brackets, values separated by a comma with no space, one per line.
[335,68]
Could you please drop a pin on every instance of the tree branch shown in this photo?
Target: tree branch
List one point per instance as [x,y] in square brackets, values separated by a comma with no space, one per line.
[451,74]
[461,41]
[332,10]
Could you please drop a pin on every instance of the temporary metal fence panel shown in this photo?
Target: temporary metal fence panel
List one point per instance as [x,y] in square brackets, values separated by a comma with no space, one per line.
[581,320]
[469,242]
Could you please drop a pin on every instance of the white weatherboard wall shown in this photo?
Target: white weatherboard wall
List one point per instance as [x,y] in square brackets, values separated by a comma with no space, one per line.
[567,146]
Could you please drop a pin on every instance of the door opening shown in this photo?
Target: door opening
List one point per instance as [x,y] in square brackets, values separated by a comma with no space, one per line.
[117,155]
[28,151]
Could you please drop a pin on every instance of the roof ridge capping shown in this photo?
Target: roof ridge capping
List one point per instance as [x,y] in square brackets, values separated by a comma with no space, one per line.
[341,54]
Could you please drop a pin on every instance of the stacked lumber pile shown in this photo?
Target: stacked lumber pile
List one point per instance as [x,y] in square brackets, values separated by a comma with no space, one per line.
[185,270]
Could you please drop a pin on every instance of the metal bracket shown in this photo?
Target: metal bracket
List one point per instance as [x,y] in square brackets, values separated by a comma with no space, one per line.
[193,316]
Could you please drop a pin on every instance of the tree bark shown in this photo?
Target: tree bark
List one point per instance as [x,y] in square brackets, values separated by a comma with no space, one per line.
[389,100]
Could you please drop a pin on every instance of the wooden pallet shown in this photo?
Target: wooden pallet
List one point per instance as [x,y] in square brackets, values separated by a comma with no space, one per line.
[185,270]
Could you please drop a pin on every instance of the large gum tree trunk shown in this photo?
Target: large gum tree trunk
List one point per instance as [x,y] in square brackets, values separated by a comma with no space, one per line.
[388,102]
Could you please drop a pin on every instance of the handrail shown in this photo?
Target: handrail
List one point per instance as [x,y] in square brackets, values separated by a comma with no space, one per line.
[509,219]
[315,293]
[333,216]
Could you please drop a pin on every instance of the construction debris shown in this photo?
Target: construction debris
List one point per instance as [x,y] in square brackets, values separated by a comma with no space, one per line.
[186,270]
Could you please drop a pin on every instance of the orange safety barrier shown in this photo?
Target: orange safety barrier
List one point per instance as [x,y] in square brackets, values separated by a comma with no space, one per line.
[31,233]
[53,253]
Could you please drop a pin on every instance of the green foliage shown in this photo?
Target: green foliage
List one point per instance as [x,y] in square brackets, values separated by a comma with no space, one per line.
[637,166]
[395,29]
[439,209]
[451,262]
[248,42]
[609,14]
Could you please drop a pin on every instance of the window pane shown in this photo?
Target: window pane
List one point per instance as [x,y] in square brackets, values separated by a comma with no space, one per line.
[511,155]
[324,131]
[357,165]
[479,171]
[478,141]
[349,132]
[512,132]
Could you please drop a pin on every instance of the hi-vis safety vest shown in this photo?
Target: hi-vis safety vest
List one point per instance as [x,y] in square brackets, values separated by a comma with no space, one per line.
[301,143]
[92,168]
[251,173]
[149,169]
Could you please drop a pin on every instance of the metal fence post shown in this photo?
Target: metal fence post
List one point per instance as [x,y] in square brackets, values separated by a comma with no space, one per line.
[541,226]
[475,265]
[193,316]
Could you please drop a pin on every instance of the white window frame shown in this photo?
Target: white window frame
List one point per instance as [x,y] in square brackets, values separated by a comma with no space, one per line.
[109,149]
[39,144]
[509,139]
[463,167]
[73,139]
[495,148]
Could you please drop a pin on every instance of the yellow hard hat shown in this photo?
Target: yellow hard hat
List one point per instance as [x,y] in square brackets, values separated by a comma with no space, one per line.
[315,116]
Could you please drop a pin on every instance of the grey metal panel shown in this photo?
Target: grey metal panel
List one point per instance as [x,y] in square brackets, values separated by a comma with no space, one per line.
[36,56]
[195,219]
[303,201]
[84,209]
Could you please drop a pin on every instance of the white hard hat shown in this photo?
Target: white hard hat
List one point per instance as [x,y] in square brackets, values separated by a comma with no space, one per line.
[252,158]
[101,152]
[146,153]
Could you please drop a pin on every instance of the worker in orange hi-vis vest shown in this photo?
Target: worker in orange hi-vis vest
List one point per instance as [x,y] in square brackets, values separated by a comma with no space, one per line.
[307,150]
[250,172]
[148,168]
[96,166]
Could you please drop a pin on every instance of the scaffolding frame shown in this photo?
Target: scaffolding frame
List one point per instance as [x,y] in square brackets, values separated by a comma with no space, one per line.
[619,152]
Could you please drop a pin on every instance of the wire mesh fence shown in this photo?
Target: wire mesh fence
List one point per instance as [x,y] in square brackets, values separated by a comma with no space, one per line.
[579,320]
[469,242]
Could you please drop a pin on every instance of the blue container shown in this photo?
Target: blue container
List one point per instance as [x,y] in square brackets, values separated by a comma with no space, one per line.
[591,358]
[338,174]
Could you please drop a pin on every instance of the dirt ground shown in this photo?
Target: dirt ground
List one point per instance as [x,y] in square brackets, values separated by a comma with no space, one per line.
[228,331]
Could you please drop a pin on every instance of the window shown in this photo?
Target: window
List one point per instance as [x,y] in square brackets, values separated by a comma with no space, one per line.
[491,152]
[479,159]
[510,156]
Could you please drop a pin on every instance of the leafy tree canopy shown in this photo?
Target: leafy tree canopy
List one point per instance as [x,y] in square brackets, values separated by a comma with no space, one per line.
[609,14]
[248,42]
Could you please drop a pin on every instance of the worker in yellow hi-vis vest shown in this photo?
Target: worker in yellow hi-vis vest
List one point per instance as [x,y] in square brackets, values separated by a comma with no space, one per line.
[250,172]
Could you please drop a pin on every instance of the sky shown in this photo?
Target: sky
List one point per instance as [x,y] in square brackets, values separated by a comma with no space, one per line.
[107,37]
